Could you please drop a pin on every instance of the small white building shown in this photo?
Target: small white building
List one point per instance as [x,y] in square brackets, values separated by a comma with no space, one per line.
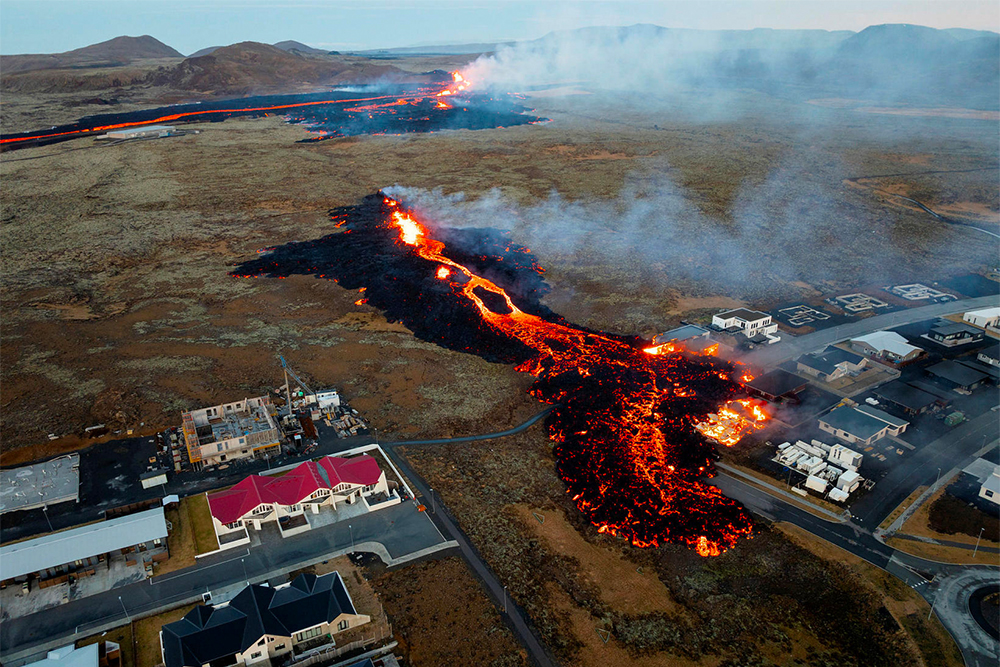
[844,457]
[990,488]
[324,399]
[987,318]
[147,132]
[748,322]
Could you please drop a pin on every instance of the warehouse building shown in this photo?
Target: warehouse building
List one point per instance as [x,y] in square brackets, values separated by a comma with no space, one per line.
[247,428]
[987,318]
[147,132]
[134,538]
[957,375]
[906,397]
[860,424]
[41,484]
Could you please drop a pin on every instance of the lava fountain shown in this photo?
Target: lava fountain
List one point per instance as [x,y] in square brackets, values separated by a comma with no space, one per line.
[634,427]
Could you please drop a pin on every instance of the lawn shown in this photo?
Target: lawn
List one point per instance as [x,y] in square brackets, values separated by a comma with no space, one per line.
[194,510]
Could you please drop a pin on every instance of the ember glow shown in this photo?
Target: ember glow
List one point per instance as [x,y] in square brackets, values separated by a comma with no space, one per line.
[634,425]
[389,109]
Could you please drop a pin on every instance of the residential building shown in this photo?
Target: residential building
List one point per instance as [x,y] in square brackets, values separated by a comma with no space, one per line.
[887,346]
[860,424]
[990,488]
[957,375]
[750,323]
[231,431]
[906,397]
[987,318]
[831,364]
[951,334]
[681,334]
[262,623]
[777,386]
[990,356]
[134,538]
[328,482]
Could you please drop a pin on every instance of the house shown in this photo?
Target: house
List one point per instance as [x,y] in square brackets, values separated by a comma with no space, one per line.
[246,428]
[956,375]
[262,623]
[989,356]
[777,386]
[990,488]
[887,346]
[830,364]
[860,424]
[328,482]
[134,538]
[987,318]
[750,323]
[906,397]
[951,334]
[681,334]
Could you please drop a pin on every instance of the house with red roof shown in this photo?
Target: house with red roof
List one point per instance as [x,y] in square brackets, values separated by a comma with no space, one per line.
[328,482]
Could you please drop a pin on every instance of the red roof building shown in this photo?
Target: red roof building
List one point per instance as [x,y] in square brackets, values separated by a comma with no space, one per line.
[331,475]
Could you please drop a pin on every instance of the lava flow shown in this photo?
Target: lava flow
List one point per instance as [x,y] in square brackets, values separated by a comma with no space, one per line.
[633,425]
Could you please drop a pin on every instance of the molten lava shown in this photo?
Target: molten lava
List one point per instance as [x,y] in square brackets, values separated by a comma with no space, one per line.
[631,423]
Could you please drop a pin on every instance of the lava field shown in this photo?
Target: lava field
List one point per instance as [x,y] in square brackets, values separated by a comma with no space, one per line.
[632,421]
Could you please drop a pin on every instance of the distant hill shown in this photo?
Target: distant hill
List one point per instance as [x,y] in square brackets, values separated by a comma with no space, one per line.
[292,45]
[118,51]
[204,52]
[250,67]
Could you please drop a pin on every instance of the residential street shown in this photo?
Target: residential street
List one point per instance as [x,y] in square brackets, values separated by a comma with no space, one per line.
[401,529]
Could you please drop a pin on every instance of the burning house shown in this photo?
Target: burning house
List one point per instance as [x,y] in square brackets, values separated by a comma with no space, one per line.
[247,428]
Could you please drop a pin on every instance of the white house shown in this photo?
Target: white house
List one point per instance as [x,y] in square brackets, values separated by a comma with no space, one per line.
[748,322]
[987,318]
[990,488]
[886,345]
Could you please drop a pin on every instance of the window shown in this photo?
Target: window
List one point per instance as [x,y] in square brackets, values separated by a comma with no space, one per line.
[279,647]
[254,656]
[308,634]
[343,625]
[261,643]
[220,446]
[989,494]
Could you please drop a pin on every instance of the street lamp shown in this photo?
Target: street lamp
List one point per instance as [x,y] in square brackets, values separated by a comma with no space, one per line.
[351,528]
[504,599]
[974,551]
[245,576]
[433,505]
[45,512]
[129,618]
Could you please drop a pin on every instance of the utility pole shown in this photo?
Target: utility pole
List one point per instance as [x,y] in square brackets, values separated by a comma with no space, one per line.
[245,576]
[974,551]
[125,610]
[46,513]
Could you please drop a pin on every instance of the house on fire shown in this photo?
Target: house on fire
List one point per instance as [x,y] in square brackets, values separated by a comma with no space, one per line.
[860,424]
[777,386]
[753,324]
[258,498]
[262,623]
[830,364]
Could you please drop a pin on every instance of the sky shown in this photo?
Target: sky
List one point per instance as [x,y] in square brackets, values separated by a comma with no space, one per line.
[52,26]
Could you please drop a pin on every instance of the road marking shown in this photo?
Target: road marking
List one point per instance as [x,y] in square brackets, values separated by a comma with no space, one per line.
[182,573]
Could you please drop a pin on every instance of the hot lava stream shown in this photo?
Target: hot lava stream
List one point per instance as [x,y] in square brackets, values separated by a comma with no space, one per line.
[632,423]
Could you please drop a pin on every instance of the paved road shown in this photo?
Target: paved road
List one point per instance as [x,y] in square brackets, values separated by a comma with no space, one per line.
[947,587]
[401,529]
[793,346]
[524,631]
[955,449]
[473,438]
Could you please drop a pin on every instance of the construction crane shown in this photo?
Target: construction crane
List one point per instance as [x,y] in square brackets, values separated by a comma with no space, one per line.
[288,392]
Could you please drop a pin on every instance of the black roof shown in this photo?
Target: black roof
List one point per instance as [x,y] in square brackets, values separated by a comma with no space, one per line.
[991,352]
[980,367]
[743,314]
[827,360]
[951,328]
[906,395]
[956,373]
[777,383]
[857,423]
[208,633]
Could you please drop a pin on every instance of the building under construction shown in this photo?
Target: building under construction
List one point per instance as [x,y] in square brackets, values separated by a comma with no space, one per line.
[231,431]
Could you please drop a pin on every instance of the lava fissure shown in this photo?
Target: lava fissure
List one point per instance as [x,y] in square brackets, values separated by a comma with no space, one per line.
[632,426]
